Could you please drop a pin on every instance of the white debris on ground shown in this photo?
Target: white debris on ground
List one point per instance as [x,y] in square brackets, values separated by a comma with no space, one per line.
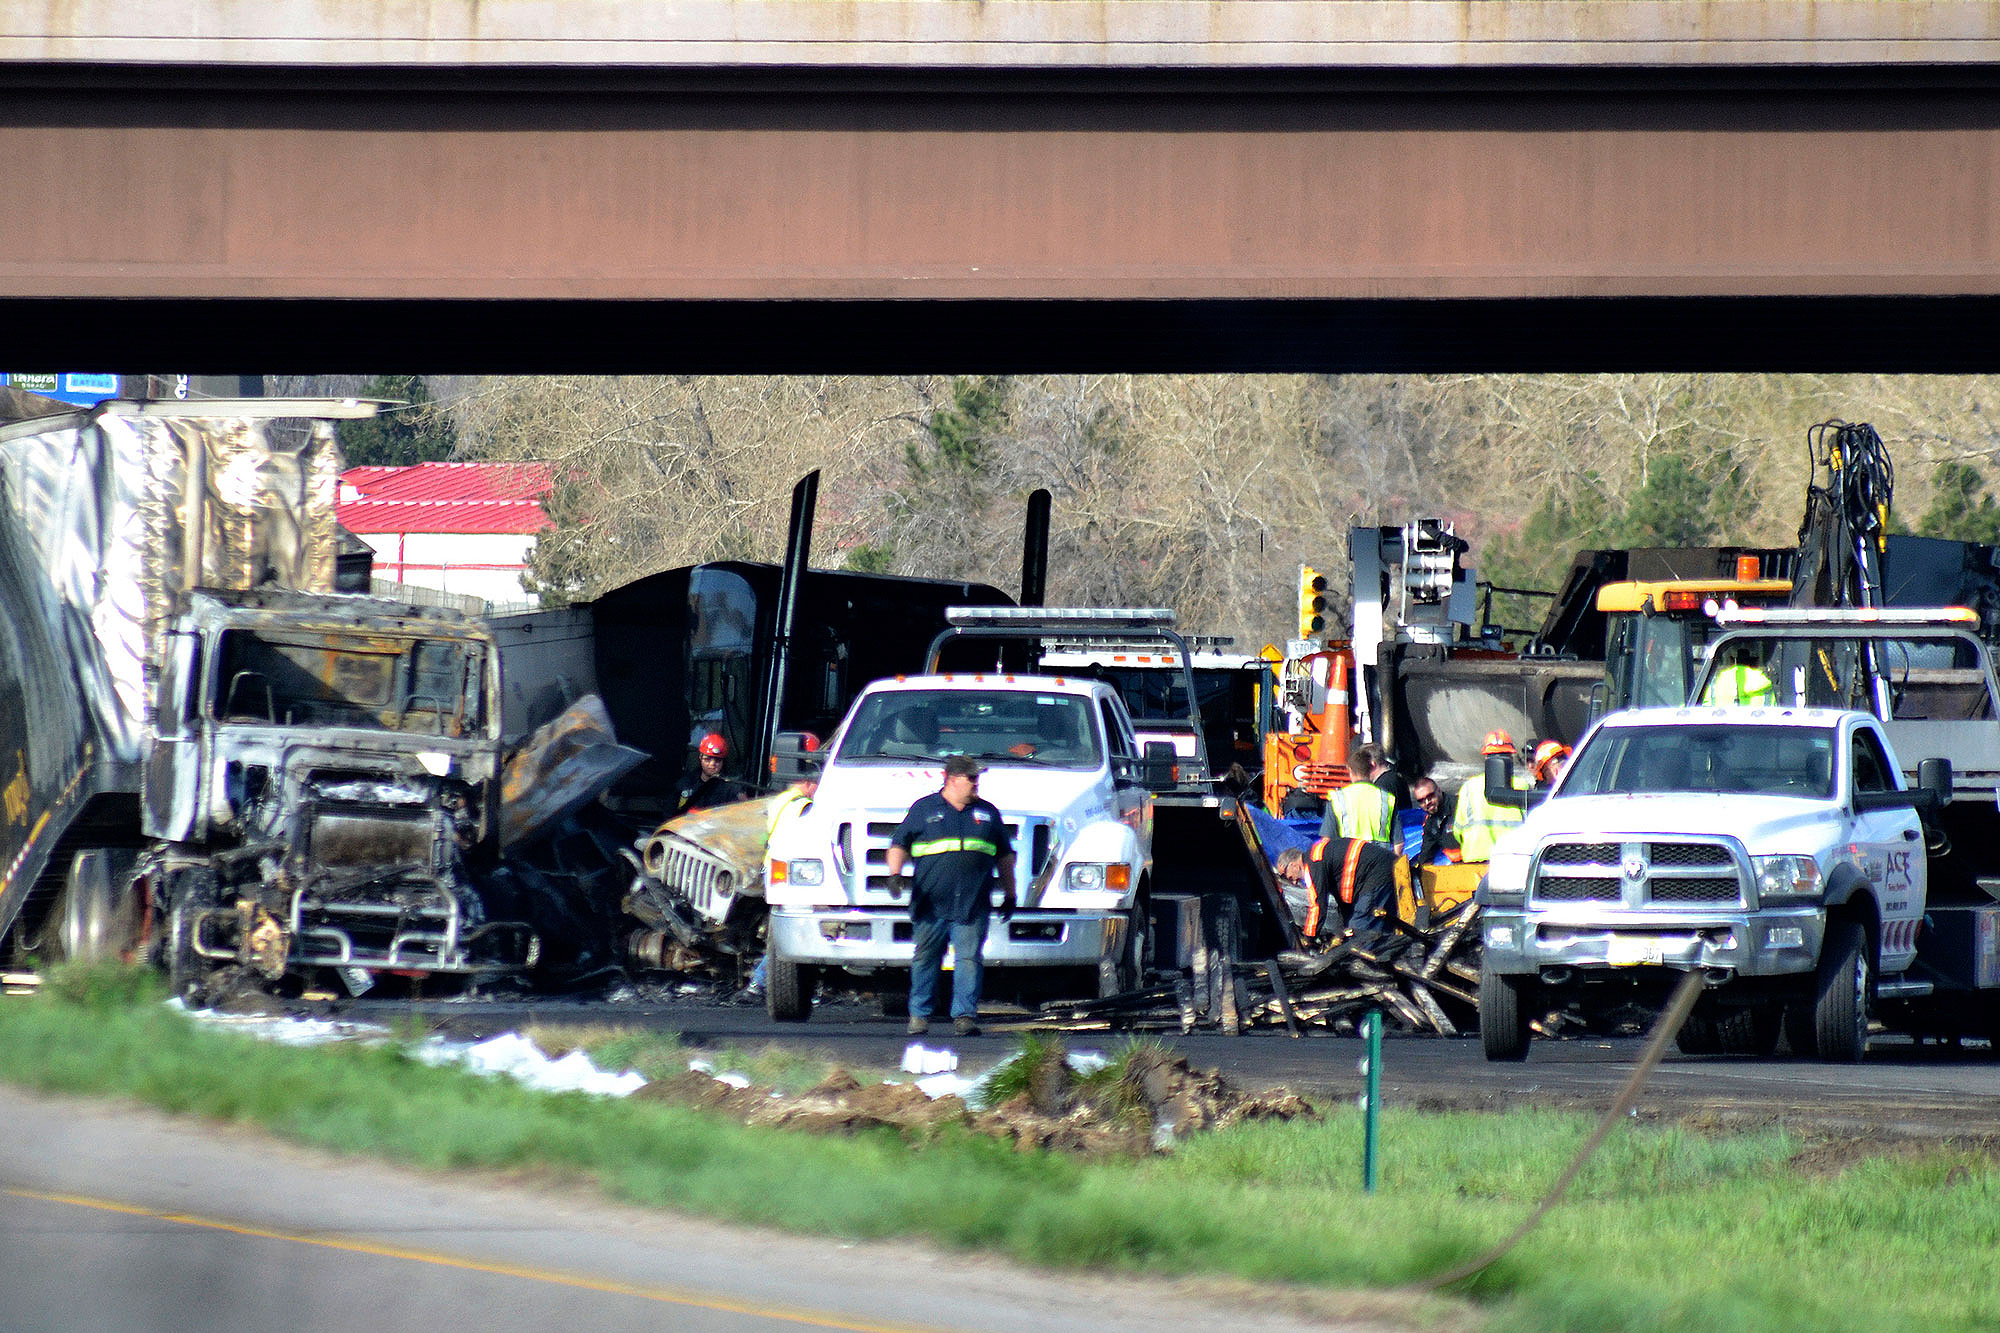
[509,1054]
[518,1058]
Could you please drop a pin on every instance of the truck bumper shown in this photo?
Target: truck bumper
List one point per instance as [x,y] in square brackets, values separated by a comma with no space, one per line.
[1769,942]
[840,937]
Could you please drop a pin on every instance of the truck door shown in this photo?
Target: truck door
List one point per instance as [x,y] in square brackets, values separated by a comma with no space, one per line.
[1891,845]
[1135,802]
[170,782]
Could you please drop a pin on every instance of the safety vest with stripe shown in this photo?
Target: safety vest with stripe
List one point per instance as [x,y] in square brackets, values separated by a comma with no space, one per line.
[1344,886]
[1478,823]
[1743,686]
[1363,810]
[791,802]
[938,845]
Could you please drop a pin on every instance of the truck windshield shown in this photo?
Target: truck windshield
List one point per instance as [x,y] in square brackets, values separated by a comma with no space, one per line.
[1002,727]
[425,686]
[1920,678]
[1747,760]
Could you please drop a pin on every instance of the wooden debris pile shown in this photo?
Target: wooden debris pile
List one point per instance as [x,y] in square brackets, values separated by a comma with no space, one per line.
[1424,980]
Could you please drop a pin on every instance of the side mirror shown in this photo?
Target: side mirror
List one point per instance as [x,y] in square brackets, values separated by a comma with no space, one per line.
[791,761]
[1934,779]
[1500,788]
[1160,769]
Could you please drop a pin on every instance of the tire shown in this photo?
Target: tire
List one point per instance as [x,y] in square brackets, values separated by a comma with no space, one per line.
[1752,1030]
[894,1003]
[788,989]
[1505,1005]
[1846,982]
[1699,1035]
[1800,1034]
[1126,971]
[185,969]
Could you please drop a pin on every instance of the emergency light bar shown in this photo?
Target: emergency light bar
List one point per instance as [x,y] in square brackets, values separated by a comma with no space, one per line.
[1855,615]
[1063,617]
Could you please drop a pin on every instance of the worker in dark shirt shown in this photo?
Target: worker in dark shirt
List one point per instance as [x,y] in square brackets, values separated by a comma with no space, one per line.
[708,788]
[957,842]
[1347,883]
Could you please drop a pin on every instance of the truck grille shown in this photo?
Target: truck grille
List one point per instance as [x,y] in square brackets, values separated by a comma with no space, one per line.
[704,879]
[1581,853]
[1672,874]
[1591,889]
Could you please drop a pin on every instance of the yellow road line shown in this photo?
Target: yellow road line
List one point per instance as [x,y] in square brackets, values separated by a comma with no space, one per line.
[664,1295]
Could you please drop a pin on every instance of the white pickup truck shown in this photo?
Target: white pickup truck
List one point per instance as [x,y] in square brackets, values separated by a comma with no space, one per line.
[1063,765]
[1774,849]
[1827,852]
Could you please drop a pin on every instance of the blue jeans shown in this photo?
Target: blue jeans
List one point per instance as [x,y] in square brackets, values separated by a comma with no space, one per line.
[967,939]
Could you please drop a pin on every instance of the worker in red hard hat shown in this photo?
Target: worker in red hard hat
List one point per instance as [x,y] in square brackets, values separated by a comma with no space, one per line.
[1550,758]
[1477,822]
[708,787]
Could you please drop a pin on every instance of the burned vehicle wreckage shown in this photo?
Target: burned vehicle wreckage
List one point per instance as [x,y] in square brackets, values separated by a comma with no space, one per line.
[336,804]
[227,757]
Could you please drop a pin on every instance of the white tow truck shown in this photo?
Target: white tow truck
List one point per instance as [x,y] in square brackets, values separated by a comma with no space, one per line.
[1062,762]
[1779,846]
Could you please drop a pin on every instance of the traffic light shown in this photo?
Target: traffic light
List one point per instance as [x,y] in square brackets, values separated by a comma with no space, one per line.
[1313,604]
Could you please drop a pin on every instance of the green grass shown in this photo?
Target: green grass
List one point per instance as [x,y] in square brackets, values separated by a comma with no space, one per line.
[1666,1229]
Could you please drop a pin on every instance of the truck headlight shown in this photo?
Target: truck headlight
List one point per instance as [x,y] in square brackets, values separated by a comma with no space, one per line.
[1093,876]
[1506,879]
[807,871]
[1786,877]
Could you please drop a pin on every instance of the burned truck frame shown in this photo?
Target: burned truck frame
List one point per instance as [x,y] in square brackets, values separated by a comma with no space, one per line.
[324,784]
[215,756]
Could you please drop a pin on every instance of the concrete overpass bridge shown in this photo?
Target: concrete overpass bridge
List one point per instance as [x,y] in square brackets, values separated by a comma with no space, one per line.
[296,185]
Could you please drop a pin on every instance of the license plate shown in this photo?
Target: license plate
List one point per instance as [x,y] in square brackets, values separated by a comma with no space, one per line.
[1625,951]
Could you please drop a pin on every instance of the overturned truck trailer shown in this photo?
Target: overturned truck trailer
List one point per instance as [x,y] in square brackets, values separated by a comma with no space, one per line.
[218,759]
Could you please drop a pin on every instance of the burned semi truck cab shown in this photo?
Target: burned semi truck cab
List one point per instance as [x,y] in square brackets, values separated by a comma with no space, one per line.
[324,791]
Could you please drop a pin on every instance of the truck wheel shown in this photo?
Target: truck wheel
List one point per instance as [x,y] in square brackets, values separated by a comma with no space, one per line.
[1800,1034]
[1505,1003]
[1125,970]
[788,989]
[1846,981]
[185,968]
[1699,1035]
[1752,1030]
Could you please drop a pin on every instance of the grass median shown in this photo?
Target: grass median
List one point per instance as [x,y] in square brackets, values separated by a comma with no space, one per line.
[1667,1228]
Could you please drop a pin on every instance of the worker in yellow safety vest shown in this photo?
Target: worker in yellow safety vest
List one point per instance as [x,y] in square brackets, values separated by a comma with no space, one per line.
[1477,822]
[1362,809]
[1741,684]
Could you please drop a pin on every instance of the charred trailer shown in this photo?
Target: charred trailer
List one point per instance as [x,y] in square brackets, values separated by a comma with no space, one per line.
[685,652]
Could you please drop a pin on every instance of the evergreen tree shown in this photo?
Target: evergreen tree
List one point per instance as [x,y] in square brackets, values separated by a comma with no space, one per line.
[399,436]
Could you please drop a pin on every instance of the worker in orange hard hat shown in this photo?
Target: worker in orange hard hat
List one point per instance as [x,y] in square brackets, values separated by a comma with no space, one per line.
[1477,822]
[1550,758]
[708,787]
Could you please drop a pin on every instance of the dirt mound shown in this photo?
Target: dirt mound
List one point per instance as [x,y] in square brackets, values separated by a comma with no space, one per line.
[1141,1104]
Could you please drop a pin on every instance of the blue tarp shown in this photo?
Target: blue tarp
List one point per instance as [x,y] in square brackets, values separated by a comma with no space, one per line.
[1278,834]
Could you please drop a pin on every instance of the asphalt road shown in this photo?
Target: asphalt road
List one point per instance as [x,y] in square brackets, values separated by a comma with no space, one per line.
[1902,1089]
[117,1218]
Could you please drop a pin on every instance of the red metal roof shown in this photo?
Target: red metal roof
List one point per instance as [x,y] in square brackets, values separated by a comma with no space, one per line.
[445,497]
